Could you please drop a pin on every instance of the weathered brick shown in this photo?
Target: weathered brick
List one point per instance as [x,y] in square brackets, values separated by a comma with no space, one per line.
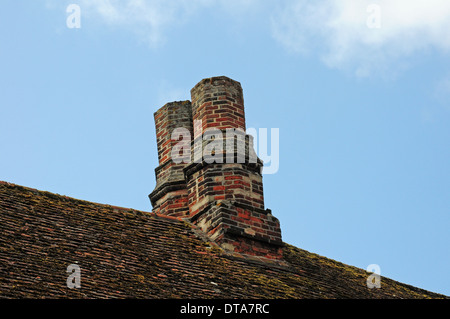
[194,189]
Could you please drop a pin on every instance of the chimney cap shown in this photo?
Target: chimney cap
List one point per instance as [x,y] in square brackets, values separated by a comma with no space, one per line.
[214,79]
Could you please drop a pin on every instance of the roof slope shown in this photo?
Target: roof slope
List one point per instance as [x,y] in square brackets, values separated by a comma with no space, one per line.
[124,253]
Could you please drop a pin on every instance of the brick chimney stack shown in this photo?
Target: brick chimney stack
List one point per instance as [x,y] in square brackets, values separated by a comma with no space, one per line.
[170,196]
[223,197]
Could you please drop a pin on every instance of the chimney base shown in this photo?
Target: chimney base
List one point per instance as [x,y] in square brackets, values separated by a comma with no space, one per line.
[241,228]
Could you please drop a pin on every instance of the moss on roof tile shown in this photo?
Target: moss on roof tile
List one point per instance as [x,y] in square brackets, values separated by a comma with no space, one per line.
[125,253]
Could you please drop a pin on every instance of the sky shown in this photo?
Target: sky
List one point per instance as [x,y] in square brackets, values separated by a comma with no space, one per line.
[359,90]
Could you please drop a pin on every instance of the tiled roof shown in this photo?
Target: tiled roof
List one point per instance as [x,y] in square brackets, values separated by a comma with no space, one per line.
[125,253]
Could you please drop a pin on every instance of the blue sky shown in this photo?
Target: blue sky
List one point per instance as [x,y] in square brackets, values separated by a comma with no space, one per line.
[363,112]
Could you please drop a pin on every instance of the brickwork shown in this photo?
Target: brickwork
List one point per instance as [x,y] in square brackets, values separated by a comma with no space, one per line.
[223,193]
[170,195]
[216,182]
[218,102]
[243,229]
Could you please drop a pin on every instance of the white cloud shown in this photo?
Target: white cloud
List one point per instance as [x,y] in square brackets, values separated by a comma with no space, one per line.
[335,30]
[338,30]
[149,19]
[145,18]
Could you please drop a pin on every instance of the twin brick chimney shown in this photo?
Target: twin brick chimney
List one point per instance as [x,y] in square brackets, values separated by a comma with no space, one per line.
[223,197]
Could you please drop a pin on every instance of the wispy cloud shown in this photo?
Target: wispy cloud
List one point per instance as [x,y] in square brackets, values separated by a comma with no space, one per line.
[337,31]
[147,19]
[150,19]
[343,34]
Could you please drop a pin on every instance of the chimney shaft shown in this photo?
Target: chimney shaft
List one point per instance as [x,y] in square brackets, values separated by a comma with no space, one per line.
[170,196]
[224,198]
[219,103]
